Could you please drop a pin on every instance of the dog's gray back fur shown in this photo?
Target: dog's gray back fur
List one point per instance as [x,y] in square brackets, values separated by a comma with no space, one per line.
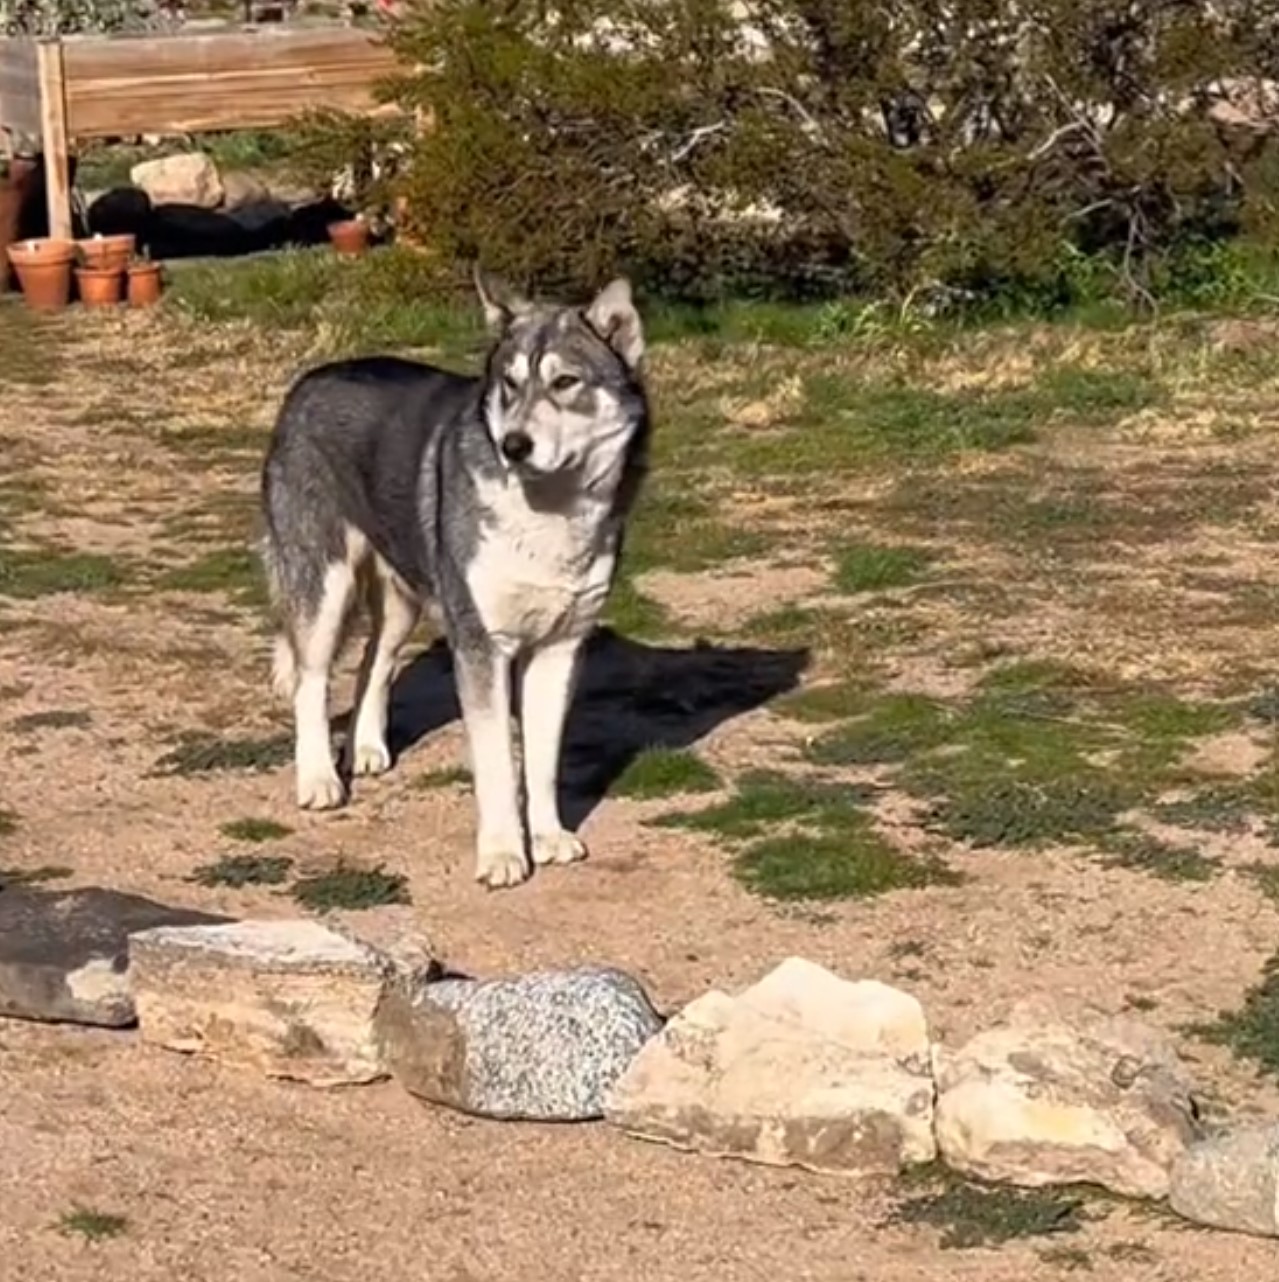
[394,484]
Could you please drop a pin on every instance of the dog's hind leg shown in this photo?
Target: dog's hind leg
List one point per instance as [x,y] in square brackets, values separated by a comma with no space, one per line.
[316,642]
[484,688]
[395,614]
[545,695]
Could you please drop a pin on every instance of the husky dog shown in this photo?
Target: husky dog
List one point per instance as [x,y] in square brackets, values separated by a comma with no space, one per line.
[498,502]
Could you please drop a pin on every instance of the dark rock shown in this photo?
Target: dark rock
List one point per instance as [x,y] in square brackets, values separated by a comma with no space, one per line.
[543,1047]
[64,954]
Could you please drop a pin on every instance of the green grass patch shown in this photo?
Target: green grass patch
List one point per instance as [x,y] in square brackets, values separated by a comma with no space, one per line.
[1139,852]
[199,754]
[665,772]
[53,719]
[26,573]
[973,1215]
[448,777]
[871,567]
[346,886]
[33,876]
[807,839]
[238,871]
[1038,754]
[91,1225]
[254,830]
[831,701]
[632,613]
[1252,1031]
[237,572]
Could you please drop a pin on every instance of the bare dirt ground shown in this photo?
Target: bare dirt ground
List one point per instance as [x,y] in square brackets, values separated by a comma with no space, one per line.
[1149,554]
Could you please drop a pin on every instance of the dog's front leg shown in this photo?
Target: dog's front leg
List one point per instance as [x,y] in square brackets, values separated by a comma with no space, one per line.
[545,695]
[484,687]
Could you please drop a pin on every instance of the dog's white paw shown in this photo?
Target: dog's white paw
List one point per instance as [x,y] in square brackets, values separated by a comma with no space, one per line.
[558,848]
[320,792]
[500,867]
[370,759]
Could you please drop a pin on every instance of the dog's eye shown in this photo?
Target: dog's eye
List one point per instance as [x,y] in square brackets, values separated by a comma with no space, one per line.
[511,385]
[564,383]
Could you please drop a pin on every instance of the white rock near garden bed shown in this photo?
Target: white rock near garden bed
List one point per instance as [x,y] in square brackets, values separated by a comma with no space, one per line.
[802,1069]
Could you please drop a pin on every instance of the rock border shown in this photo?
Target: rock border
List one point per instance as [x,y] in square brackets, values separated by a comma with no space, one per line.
[802,1069]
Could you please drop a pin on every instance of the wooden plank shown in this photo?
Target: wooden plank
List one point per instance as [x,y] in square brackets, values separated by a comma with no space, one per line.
[19,88]
[53,119]
[240,80]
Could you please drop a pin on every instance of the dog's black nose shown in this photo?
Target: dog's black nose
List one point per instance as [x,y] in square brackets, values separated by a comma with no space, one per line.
[517,446]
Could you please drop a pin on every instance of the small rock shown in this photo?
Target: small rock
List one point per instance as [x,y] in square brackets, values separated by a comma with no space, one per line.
[64,954]
[1231,1182]
[190,179]
[240,189]
[543,1047]
[291,999]
[803,1069]
[1039,1101]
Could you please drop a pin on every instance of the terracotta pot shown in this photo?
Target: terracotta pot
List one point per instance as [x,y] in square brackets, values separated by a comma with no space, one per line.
[44,271]
[112,252]
[16,190]
[145,284]
[351,236]
[99,286]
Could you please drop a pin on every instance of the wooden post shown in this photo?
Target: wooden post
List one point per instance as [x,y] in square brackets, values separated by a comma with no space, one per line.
[53,132]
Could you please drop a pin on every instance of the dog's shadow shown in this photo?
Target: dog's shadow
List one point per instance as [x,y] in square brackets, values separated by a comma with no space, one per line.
[631,697]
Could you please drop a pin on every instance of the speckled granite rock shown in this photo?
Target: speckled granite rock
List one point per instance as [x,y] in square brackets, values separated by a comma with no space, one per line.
[64,954]
[542,1047]
[291,999]
[1231,1182]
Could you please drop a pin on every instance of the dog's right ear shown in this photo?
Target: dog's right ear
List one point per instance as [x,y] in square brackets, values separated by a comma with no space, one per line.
[501,303]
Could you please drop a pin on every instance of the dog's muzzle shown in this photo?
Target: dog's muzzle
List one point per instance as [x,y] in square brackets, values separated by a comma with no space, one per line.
[516,446]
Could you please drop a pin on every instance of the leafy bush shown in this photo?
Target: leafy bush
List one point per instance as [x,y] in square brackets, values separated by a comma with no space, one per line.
[803,147]
[44,18]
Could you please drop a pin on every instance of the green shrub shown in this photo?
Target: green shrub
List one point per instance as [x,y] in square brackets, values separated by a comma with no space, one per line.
[1048,148]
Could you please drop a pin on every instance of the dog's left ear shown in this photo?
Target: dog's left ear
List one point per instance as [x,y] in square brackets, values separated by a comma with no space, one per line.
[613,317]
[501,303]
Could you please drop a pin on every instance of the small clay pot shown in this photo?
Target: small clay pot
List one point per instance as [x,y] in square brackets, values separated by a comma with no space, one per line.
[351,236]
[44,266]
[99,286]
[145,284]
[112,252]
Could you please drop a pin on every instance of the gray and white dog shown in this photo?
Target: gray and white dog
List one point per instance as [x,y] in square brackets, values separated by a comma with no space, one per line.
[498,502]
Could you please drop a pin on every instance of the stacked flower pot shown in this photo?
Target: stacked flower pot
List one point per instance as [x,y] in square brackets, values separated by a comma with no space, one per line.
[104,270]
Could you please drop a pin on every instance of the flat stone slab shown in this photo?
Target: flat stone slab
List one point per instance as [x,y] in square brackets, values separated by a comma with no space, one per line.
[1231,1181]
[541,1047]
[802,1069]
[289,999]
[64,954]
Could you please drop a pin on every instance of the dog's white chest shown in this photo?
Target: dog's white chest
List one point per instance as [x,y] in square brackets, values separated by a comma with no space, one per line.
[537,576]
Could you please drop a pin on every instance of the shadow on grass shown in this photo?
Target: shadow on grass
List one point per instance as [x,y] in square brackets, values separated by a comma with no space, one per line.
[633,697]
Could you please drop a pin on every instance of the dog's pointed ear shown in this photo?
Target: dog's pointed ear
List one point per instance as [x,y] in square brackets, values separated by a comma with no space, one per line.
[501,303]
[613,317]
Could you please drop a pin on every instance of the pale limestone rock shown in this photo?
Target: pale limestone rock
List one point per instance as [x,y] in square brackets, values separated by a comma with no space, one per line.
[1039,1101]
[189,179]
[1231,1182]
[802,1069]
[291,999]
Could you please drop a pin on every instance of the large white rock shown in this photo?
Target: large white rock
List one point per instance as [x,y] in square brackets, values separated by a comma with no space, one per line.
[1039,1101]
[188,179]
[802,1069]
[291,999]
